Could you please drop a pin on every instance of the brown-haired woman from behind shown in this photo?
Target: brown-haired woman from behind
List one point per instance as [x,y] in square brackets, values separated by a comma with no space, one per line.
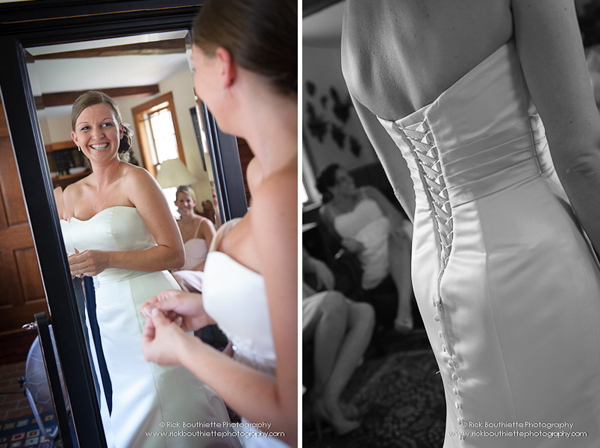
[245,61]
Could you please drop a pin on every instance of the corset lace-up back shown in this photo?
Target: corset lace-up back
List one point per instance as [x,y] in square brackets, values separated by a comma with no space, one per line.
[505,280]
[430,170]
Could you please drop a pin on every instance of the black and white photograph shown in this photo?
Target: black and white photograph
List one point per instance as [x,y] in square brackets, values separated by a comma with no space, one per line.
[450,190]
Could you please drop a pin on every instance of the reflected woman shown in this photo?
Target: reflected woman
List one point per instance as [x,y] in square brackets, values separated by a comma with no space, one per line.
[197,233]
[118,229]
[245,60]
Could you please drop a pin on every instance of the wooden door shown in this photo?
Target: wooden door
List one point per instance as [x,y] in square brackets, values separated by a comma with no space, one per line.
[21,288]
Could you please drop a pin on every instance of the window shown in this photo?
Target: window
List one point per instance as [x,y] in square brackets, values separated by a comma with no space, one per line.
[156,126]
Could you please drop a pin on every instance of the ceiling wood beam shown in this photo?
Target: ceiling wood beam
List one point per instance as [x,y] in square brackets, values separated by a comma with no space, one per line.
[68,98]
[145,48]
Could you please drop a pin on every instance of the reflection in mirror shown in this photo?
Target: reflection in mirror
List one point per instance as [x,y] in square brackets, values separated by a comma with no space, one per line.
[134,71]
[118,235]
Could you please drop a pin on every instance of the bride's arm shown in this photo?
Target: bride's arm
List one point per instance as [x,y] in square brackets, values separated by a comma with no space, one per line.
[551,52]
[275,232]
[150,202]
[390,157]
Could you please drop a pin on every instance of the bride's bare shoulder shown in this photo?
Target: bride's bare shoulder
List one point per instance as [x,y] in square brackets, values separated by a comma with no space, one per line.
[398,55]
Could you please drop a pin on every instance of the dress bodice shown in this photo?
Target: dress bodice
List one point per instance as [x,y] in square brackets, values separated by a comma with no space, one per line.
[235,297]
[115,228]
[490,107]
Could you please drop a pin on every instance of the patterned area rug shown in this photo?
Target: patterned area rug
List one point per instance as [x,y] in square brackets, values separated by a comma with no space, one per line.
[401,400]
[24,432]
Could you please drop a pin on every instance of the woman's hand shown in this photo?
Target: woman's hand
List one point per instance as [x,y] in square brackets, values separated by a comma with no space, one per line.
[353,245]
[88,263]
[172,303]
[162,340]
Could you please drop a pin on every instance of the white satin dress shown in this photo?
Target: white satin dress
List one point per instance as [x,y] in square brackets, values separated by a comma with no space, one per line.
[507,284]
[147,399]
[235,297]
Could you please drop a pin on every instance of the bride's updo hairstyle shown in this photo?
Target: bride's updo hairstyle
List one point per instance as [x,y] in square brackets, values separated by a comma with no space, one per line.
[91,99]
[260,35]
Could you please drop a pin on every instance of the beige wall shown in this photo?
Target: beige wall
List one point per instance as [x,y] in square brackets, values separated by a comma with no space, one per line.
[183,95]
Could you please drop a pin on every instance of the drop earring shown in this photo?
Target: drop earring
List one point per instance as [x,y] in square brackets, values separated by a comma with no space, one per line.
[79,148]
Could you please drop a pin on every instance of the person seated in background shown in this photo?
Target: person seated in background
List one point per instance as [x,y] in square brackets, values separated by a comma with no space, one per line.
[340,330]
[197,233]
[366,224]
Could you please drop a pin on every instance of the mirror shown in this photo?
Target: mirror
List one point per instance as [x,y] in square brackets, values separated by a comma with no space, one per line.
[134,71]
[29,25]
[148,76]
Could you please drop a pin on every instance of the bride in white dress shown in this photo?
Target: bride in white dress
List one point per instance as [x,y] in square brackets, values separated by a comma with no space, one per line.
[118,229]
[251,275]
[483,116]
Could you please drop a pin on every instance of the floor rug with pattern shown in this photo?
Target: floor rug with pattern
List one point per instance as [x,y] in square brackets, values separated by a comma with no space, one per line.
[400,397]
[24,432]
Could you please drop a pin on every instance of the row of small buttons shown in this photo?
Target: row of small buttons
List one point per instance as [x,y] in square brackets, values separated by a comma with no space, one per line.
[428,162]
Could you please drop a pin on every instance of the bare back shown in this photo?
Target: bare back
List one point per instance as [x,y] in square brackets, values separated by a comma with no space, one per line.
[400,55]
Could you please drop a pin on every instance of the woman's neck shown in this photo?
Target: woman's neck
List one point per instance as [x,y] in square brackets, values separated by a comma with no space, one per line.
[269,123]
[188,218]
[106,174]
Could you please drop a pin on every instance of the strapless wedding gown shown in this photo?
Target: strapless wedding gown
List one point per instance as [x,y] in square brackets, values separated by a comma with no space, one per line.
[506,282]
[148,401]
[235,297]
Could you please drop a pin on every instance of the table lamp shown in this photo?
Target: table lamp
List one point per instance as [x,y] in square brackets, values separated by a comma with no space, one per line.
[174,173]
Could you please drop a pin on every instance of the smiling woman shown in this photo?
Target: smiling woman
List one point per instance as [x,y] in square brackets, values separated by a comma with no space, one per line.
[52,52]
[118,228]
[95,128]
[244,54]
